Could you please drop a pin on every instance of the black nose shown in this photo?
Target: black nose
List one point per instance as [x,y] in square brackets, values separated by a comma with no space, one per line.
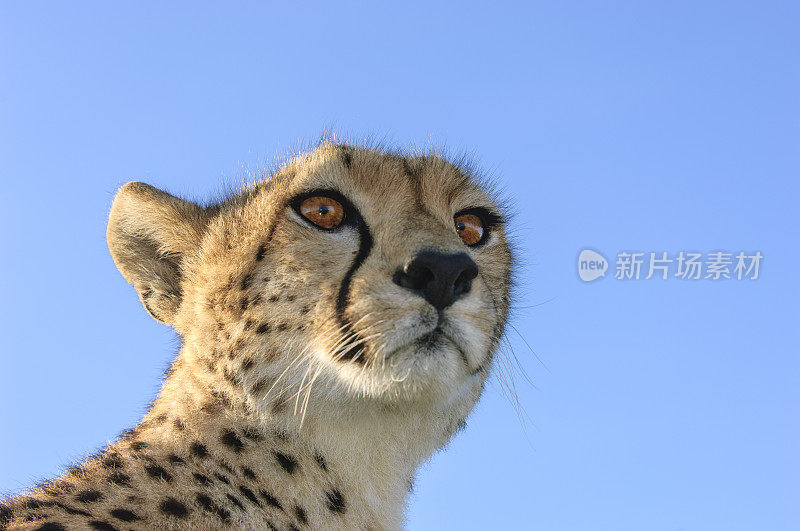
[440,278]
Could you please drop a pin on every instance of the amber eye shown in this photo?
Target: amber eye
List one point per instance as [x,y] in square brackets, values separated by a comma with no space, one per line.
[322,211]
[470,228]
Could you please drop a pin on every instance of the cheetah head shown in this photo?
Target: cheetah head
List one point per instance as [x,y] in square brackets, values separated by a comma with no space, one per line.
[350,272]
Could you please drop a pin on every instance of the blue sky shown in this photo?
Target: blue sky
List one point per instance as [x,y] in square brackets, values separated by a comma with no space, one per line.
[638,126]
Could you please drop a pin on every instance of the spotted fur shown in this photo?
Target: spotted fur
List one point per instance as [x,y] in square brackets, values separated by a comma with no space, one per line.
[310,386]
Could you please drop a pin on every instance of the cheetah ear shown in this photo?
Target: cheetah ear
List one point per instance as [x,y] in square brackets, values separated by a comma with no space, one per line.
[149,234]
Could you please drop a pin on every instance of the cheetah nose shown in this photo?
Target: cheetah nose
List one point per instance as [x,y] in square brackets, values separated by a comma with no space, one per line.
[438,277]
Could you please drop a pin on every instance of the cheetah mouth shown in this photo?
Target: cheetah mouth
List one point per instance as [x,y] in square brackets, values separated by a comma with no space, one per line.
[432,339]
[430,344]
[427,343]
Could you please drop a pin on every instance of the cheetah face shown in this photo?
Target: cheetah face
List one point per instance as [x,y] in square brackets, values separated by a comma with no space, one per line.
[403,304]
[363,273]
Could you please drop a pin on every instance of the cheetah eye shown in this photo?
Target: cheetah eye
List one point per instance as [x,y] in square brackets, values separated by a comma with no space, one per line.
[470,228]
[322,211]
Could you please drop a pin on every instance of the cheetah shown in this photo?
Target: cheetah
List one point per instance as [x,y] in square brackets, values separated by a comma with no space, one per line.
[338,322]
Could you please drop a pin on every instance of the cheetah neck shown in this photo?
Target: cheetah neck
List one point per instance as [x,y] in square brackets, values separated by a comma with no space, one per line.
[366,451]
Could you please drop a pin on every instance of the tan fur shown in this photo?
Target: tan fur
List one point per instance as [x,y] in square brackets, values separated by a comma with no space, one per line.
[256,403]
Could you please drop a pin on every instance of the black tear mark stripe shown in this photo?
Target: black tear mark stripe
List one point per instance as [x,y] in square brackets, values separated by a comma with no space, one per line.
[365,243]
[364,248]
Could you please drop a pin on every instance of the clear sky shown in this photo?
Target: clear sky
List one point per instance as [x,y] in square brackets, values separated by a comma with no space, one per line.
[615,126]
